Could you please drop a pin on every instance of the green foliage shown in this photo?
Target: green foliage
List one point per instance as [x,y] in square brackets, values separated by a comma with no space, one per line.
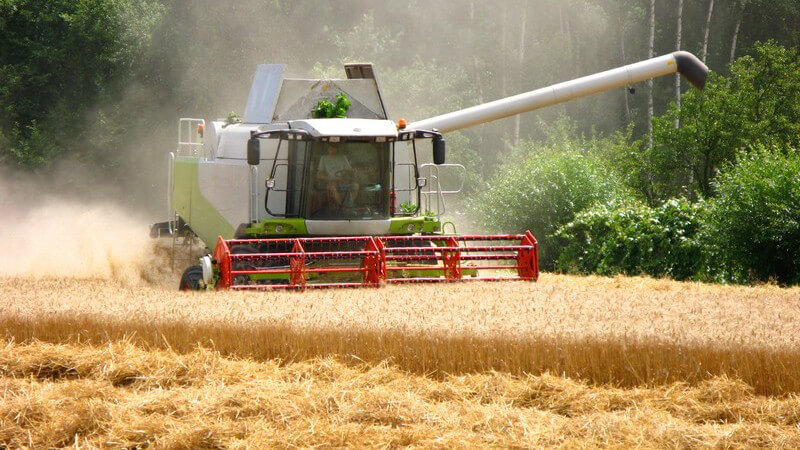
[635,239]
[541,190]
[755,216]
[408,208]
[59,59]
[326,109]
[232,118]
[757,104]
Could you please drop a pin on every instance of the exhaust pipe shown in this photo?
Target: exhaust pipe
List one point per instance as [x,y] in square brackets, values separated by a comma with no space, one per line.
[681,62]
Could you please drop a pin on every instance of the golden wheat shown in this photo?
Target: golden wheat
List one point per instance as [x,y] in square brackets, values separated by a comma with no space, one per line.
[622,331]
[120,395]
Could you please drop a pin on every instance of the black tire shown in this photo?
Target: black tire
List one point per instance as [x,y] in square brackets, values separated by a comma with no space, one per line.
[192,279]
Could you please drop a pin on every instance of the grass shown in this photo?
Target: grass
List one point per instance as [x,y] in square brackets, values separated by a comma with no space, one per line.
[568,361]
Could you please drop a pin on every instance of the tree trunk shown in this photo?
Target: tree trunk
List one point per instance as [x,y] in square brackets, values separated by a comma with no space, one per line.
[741,5]
[622,51]
[651,54]
[679,27]
[521,67]
[704,51]
[504,69]
[503,50]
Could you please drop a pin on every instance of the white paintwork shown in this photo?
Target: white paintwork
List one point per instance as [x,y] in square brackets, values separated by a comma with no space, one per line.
[264,93]
[558,93]
[208,271]
[211,135]
[348,227]
[233,140]
[346,127]
[225,184]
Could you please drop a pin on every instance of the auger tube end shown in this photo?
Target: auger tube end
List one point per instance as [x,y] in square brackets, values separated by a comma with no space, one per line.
[692,68]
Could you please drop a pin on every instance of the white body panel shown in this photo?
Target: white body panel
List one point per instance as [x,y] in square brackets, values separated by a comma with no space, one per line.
[558,93]
[225,184]
[346,127]
[264,93]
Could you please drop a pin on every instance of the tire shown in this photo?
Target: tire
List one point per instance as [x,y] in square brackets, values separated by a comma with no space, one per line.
[192,279]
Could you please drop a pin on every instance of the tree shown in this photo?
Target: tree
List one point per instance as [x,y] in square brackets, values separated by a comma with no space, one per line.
[739,8]
[520,64]
[542,187]
[707,31]
[755,218]
[757,104]
[57,61]
[678,32]
[650,54]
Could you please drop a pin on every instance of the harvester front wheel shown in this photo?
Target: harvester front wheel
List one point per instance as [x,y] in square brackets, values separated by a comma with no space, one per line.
[192,279]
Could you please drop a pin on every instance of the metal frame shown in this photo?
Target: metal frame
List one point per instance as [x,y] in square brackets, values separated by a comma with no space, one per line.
[434,180]
[193,146]
[378,259]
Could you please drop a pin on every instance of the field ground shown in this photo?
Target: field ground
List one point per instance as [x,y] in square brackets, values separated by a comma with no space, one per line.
[567,361]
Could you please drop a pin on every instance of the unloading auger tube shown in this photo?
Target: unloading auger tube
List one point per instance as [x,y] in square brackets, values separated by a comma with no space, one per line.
[681,62]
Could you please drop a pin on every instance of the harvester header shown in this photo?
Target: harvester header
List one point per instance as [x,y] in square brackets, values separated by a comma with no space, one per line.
[316,187]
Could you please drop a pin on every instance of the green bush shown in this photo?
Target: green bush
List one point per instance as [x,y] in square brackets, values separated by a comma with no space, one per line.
[541,190]
[755,216]
[635,239]
[757,103]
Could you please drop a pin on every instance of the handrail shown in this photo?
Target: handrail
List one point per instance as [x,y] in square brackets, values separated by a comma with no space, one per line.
[435,186]
[170,189]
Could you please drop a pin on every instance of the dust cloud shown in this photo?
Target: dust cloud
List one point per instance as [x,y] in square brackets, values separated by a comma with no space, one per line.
[45,235]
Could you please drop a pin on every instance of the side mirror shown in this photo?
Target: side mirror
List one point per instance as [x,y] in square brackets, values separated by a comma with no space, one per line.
[253,151]
[438,150]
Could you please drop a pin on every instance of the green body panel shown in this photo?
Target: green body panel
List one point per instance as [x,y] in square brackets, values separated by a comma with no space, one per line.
[204,219]
[278,227]
[297,227]
[421,224]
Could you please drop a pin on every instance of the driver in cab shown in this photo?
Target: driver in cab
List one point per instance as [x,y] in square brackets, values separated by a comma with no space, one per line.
[335,170]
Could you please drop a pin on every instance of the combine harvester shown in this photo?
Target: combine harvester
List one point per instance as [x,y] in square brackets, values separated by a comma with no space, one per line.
[283,200]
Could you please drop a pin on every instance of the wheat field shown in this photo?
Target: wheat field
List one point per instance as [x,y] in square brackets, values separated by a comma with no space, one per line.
[122,396]
[569,361]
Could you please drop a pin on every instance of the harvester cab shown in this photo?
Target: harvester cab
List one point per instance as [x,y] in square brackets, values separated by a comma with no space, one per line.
[316,187]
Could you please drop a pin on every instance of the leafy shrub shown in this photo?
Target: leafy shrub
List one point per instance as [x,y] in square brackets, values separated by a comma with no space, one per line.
[543,190]
[755,217]
[327,109]
[758,103]
[635,239]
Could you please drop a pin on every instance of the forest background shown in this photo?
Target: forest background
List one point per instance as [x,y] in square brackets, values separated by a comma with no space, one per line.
[666,181]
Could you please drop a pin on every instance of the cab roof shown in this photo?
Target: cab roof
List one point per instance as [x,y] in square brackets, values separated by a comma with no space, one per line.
[359,128]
